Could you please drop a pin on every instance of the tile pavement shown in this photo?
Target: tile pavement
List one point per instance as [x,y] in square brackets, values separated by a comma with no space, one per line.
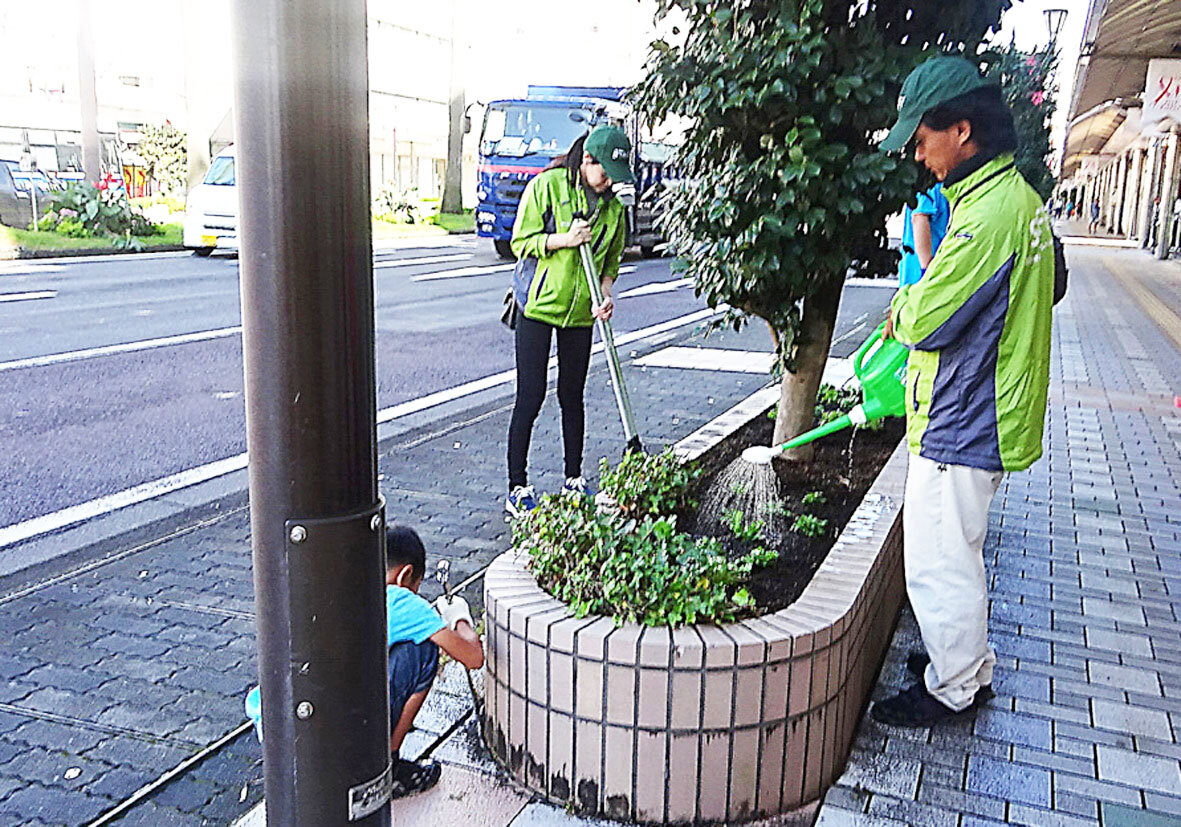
[1084,557]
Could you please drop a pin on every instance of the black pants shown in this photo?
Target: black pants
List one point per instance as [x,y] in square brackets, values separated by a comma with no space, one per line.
[533,344]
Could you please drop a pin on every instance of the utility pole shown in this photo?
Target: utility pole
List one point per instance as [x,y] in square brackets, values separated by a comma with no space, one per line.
[91,156]
[317,523]
[453,180]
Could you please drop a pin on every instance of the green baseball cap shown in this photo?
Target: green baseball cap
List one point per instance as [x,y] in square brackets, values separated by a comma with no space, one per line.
[611,148]
[933,83]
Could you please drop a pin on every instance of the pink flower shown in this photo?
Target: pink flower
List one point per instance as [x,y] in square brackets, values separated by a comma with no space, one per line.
[1037,97]
[1031,61]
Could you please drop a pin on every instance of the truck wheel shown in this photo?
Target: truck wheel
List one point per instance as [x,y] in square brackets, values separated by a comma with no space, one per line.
[503,249]
[202,251]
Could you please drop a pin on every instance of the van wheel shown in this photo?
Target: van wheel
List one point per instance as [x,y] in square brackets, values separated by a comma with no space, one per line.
[503,249]
[203,251]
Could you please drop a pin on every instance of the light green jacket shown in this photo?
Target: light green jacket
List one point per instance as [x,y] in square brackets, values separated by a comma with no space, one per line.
[550,286]
[978,325]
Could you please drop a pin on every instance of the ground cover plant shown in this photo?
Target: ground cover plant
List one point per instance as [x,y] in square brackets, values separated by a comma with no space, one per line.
[643,553]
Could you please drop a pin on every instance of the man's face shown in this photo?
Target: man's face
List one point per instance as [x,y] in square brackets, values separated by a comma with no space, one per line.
[943,150]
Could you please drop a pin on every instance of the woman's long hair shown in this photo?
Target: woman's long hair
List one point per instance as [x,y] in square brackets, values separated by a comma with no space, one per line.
[571,161]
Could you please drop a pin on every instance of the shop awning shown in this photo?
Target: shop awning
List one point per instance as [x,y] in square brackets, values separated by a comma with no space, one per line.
[1089,133]
[1120,38]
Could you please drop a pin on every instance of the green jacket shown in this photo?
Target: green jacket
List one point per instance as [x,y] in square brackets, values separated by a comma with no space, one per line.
[551,287]
[978,325]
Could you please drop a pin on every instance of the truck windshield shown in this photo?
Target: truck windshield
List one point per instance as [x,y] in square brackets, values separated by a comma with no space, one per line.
[221,171]
[520,130]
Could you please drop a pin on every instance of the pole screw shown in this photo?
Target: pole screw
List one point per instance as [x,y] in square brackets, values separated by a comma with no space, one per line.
[298,534]
[304,710]
[375,522]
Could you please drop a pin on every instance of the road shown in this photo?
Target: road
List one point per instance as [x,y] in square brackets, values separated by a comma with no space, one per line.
[121,371]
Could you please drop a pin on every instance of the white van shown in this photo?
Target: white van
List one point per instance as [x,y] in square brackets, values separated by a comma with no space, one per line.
[211,212]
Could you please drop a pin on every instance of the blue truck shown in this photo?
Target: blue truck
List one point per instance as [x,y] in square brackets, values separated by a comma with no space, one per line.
[521,136]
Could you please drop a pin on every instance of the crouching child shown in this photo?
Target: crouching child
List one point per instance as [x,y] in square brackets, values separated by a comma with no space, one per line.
[417,631]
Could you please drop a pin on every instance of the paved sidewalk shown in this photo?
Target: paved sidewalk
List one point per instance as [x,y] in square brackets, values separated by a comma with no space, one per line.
[1084,556]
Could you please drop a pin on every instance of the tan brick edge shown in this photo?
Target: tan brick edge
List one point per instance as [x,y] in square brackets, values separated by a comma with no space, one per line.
[703,723]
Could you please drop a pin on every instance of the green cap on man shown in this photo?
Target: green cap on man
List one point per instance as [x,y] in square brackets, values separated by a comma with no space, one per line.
[611,148]
[931,84]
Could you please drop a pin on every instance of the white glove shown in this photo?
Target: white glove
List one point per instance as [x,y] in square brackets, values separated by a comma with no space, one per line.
[454,610]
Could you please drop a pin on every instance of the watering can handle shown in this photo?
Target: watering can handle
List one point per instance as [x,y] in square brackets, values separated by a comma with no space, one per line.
[868,348]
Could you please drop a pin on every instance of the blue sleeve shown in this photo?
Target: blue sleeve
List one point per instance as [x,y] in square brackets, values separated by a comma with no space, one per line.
[409,617]
[926,204]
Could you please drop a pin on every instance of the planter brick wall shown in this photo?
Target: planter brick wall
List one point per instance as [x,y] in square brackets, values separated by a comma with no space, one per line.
[703,723]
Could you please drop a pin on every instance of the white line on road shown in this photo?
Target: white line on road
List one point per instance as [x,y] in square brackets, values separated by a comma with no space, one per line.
[410,262]
[18,532]
[24,297]
[129,347]
[463,272]
[656,287]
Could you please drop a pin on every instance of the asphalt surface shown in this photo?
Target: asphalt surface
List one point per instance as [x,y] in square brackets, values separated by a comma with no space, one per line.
[90,424]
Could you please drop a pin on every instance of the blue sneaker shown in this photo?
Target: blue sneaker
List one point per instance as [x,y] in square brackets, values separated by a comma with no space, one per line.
[577,485]
[521,500]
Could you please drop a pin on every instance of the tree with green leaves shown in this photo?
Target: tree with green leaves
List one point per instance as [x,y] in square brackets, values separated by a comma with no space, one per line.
[784,188]
[165,156]
[1026,79]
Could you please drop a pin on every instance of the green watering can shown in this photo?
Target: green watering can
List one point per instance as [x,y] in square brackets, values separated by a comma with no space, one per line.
[880,365]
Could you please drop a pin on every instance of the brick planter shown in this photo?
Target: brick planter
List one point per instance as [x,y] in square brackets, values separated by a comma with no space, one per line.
[703,723]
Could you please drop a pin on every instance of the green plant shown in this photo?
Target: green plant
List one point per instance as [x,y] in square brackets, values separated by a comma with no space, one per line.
[397,206]
[743,529]
[783,188]
[813,498]
[809,526]
[72,228]
[102,212]
[638,570]
[648,484]
[165,156]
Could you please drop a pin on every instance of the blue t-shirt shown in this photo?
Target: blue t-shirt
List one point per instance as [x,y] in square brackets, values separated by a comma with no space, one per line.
[933,204]
[409,616]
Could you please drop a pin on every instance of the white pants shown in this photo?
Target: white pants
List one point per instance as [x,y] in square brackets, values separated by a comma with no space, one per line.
[944,522]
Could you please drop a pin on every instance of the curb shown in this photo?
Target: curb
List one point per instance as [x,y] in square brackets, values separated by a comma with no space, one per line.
[22,254]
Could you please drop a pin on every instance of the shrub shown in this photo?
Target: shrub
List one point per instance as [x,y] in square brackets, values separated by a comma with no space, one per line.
[648,484]
[72,228]
[397,206]
[101,212]
[634,564]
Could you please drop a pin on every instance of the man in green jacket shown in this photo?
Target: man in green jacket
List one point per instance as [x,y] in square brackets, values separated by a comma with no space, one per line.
[978,325]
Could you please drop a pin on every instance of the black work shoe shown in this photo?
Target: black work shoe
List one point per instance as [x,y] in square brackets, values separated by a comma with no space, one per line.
[915,707]
[916,664]
[414,776]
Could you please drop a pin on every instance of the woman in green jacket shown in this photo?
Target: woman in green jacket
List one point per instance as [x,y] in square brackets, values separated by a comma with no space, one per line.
[566,206]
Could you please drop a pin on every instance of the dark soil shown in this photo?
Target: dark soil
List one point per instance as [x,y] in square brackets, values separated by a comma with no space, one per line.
[844,467]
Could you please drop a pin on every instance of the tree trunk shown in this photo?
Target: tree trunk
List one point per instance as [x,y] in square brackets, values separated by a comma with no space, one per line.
[797,392]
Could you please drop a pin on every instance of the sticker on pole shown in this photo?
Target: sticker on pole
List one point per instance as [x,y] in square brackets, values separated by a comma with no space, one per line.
[368,798]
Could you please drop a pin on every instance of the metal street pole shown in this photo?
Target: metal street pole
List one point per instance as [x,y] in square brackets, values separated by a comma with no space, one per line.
[301,98]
